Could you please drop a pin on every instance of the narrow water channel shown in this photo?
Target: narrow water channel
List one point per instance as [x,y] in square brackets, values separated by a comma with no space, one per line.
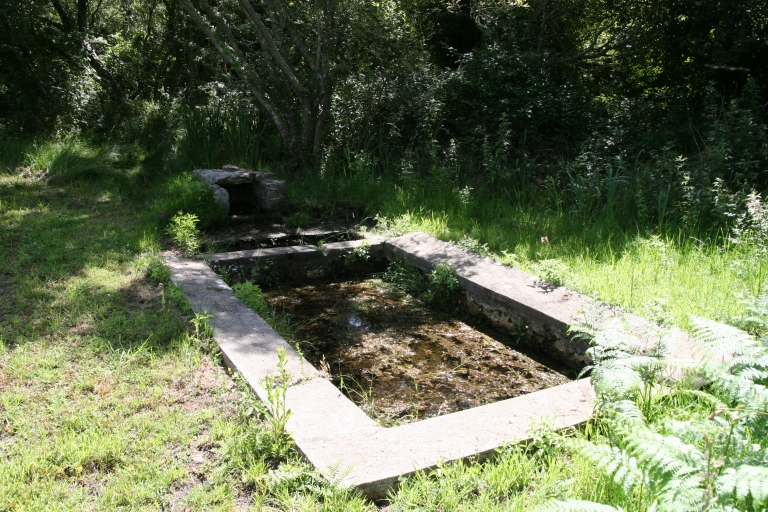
[400,361]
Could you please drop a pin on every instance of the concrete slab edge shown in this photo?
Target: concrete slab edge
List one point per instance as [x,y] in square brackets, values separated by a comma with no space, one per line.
[328,429]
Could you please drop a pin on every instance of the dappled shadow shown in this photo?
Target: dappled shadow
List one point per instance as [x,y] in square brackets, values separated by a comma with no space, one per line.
[66,247]
[545,286]
[139,316]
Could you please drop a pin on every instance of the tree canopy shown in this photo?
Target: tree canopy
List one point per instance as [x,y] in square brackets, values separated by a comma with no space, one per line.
[580,82]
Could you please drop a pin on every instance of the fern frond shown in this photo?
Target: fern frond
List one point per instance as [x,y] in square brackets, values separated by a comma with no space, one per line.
[744,482]
[720,339]
[621,410]
[616,463]
[616,381]
[756,317]
[753,365]
[666,457]
[705,397]
[738,391]
[692,431]
[576,506]
[336,473]
[682,494]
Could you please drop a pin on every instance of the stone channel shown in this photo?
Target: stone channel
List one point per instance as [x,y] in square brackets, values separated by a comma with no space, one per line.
[329,429]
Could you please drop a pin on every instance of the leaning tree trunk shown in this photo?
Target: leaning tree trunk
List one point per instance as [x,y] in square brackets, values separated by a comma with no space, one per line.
[284,67]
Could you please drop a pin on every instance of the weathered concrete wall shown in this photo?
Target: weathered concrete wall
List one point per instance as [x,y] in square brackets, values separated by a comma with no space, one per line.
[331,432]
[296,264]
[233,187]
[512,300]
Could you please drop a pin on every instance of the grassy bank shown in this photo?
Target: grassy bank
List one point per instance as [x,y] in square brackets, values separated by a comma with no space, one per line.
[662,275]
[110,398]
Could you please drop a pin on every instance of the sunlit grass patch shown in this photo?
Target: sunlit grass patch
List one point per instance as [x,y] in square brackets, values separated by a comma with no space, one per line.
[662,277]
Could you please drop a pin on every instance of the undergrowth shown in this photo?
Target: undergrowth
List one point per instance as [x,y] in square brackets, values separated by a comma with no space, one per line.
[679,434]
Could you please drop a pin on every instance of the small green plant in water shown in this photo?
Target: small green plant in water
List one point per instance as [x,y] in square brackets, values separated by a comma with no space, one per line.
[360,253]
[443,283]
[404,278]
[437,289]
[183,231]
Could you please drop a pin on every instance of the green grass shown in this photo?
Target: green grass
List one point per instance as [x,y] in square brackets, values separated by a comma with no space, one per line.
[663,276]
[109,398]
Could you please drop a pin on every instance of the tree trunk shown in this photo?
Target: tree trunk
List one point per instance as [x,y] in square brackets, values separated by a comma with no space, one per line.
[287,76]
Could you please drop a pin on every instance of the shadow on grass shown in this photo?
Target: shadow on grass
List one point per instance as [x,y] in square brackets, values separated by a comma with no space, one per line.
[68,249]
[142,317]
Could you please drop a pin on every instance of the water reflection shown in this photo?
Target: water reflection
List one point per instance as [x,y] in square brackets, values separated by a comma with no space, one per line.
[358,322]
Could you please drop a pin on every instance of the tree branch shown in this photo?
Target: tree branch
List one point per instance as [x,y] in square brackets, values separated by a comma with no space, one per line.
[237,68]
[296,38]
[66,20]
[271,47]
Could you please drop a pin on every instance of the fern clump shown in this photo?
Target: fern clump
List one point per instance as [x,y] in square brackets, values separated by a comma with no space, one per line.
[682,434]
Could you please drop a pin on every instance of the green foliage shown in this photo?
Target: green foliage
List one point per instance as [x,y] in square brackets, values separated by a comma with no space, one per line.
[201,143]
[253,297]
[223,132]
[437,288]
[275,410]
[443,283]
[12,152]
[157,271]
[405,278]
[298,220]
[183,231]
[755,319]
[72,157]
[362,252]
[712,456]
[183,194]
[473,245]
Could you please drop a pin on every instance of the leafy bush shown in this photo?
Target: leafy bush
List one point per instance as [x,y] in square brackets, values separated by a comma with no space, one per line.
[183,194]
[443,283]
[684,435]
[183,231]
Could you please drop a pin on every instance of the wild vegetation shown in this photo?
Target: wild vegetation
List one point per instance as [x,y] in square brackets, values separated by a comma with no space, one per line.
[617,148]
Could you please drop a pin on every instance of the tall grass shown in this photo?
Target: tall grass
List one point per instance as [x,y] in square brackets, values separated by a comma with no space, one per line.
[12,151]
[71,155]
[212,138]
[661,274]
